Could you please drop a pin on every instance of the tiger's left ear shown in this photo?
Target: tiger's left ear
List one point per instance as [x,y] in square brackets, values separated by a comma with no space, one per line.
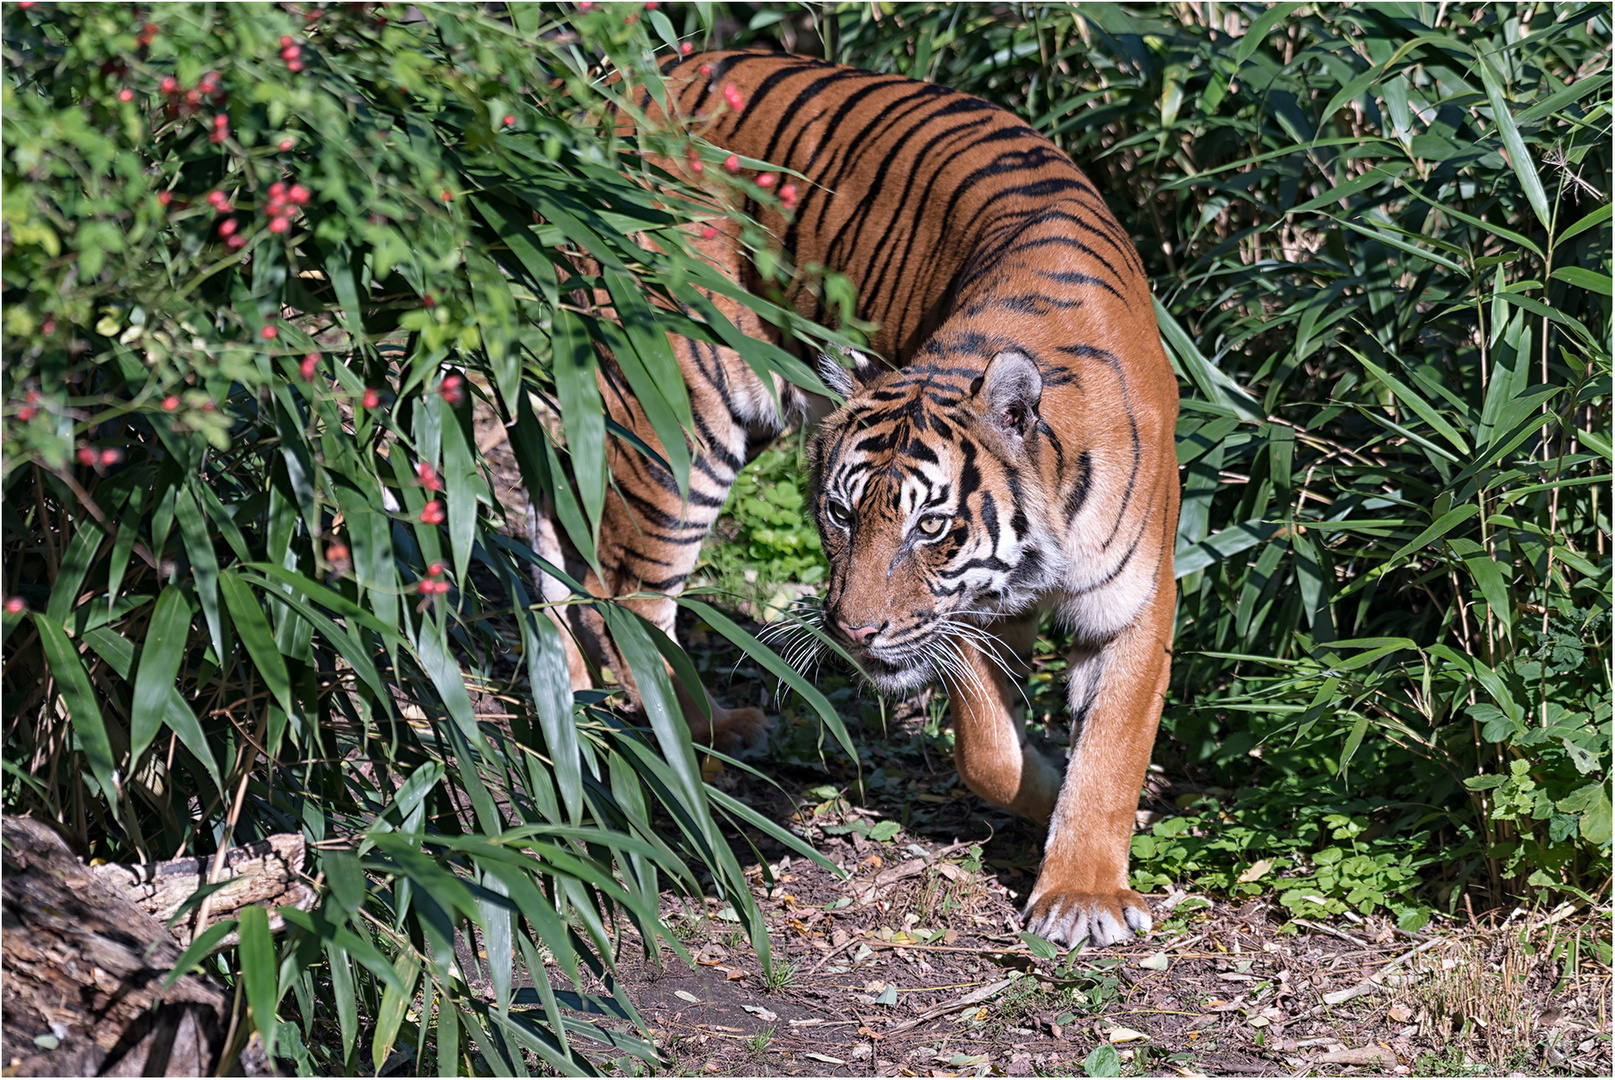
[1009,391]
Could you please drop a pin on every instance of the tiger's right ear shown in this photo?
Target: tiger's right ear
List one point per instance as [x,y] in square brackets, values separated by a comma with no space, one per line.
[838,378]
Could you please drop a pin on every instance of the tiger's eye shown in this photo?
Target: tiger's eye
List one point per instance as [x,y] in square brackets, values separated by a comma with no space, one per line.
[838,513]
[933,525]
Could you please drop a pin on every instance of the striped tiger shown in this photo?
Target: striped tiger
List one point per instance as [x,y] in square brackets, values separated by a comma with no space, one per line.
[1014,456]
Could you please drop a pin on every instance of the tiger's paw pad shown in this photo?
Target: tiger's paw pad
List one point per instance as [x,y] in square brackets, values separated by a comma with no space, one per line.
[1100,919]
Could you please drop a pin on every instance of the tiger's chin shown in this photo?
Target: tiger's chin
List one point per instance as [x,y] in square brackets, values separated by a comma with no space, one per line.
[899,677]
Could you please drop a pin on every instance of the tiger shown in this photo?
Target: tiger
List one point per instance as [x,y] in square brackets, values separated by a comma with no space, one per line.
[1013,454]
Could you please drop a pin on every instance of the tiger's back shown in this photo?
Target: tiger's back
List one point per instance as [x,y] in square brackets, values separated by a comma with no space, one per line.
[1016,455]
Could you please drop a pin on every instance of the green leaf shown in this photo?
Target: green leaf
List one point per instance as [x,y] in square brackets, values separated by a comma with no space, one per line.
[160,658]
[345,877]
[199,949]
[73,683]
[1102,1060]
[1413,401]
[394,1003]
[770,660]
[1519,156]
[70,574]
[259,972]
[204,563]
[253,629]
[1590,280]
[582,412]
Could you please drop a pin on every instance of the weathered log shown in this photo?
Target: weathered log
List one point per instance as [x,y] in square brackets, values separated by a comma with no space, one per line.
[82,971]
[267,873]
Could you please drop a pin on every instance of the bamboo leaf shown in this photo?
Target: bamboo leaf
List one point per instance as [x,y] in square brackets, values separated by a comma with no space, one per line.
[1519,157]
[260,973]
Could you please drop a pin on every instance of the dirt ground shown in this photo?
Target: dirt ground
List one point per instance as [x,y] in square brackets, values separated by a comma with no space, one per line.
[912,964]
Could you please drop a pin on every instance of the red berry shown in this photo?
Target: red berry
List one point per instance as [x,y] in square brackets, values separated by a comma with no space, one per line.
[269,333]
[193,96]
[286,144]
[686,48]
[732,163]
[126,95]
[447,196]
[25,5]
[708,232]
[279,225]
[16,605]
[340,558]
[208,83]
[88,456]
[371,397]
[706,69]
[510,121]
[221,120]
[216,199]
[298,194]
[788,195]
[651,5]
[170,403]
[309,366]
[27,413]
[165,197]
[428,477]
[432,513]
[285,40]
[435,570]
[766,180]
[111,456]
[170,85]
[236,243]
[732,96]
[452,390]
[428,300]
[294,66]
[227,227]
[291,52]
[277,190]
[585,5]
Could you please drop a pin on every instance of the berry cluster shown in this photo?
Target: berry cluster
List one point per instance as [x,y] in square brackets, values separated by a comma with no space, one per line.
[434,585]
[284,203]
[292,53]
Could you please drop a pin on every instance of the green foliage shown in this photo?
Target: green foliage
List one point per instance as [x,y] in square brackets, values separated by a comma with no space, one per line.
[261,269]
[1380,239]
[767,537]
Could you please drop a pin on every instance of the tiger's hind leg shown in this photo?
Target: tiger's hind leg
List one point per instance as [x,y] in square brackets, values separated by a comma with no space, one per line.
[650,537]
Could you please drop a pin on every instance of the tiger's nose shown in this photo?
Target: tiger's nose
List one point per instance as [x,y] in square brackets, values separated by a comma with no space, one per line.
[858,634]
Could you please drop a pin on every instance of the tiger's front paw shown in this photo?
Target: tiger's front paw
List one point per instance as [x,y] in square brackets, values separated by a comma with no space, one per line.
[736,732]
[1069,917]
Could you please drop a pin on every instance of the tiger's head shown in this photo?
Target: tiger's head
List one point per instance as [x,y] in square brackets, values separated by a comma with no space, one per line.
[932,507]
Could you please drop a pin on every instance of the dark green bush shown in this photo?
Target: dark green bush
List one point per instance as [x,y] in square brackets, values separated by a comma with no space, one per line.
[262,267]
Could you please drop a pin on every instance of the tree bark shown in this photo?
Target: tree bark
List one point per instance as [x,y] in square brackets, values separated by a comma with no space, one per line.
[81,986]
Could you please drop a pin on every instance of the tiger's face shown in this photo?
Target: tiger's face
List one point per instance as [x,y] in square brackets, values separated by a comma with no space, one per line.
[931,508]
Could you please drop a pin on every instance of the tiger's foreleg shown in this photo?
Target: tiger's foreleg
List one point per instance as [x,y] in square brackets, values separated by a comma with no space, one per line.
[1082,890]
[990,748]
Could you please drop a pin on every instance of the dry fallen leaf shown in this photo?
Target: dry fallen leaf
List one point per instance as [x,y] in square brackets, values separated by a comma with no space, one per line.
[758,1010]
[1125,1035]
[1256,870]
[1400,1013]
